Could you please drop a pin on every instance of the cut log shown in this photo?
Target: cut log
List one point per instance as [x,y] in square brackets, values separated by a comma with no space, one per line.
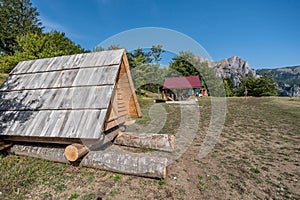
[55,154]
[146,140]
[75,151]
[127,163]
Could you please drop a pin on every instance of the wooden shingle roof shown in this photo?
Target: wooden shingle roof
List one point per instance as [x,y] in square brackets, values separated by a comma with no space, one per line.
[60,97]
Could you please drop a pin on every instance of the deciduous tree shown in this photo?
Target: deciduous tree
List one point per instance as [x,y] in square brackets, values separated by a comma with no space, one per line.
[39,45]
[17,17]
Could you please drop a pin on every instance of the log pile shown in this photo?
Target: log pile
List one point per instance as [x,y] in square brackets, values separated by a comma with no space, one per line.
[111,160]
[115,161]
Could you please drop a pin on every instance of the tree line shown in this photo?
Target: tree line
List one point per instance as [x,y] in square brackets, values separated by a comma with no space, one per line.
[22,38]
[264,85]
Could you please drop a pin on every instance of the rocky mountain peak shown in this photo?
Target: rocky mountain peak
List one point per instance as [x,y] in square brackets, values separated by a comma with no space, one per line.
[234,67]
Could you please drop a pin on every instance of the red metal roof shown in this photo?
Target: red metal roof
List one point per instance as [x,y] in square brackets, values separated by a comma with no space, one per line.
[182,82]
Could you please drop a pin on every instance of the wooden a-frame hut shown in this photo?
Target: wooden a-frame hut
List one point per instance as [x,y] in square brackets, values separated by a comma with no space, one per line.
[68,98]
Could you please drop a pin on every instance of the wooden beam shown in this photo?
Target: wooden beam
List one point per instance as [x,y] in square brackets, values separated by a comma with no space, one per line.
[53,140]
[4,145]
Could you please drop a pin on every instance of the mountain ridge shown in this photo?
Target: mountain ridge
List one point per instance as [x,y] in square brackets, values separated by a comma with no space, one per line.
[236,68]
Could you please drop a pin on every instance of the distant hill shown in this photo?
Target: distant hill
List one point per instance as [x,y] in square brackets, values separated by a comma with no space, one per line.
[288,79]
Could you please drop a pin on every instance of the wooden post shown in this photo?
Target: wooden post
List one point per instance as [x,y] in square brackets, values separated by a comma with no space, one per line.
[162,142]
[75,151]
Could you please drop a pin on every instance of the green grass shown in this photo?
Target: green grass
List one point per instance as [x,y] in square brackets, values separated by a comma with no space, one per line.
[117,177]
[73,196]
[254,170]
[162,181]
[3,76]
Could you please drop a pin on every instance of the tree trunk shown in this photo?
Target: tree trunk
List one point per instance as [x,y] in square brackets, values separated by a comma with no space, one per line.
[75,151]
[146,140]
[127,163]
[52,153]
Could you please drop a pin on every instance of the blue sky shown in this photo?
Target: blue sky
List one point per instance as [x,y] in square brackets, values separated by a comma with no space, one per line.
[264,32]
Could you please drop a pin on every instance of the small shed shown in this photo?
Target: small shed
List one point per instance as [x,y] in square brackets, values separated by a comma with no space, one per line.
[173,87]
[68,98]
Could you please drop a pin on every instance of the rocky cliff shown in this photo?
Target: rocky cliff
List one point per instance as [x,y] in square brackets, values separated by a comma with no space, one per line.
[234,67]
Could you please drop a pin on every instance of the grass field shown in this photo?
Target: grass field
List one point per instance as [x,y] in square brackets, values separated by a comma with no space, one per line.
[257,157]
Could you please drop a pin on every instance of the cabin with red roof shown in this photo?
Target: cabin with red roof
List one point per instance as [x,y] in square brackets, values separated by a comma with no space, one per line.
[183,87]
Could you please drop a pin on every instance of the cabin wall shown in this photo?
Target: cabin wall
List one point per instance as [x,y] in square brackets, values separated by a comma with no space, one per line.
[124,101]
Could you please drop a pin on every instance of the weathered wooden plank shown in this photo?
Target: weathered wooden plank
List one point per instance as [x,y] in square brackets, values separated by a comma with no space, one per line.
[68,62]
[71,127]
[54,124]
[96,97]
[7,119]
[35,126]
[20,121]
[103,58]
[92,125]
[22,67]
[127,163]
[104,75]
[78,59]
[96,76]
[39,65]
[66,124]
[66,78]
